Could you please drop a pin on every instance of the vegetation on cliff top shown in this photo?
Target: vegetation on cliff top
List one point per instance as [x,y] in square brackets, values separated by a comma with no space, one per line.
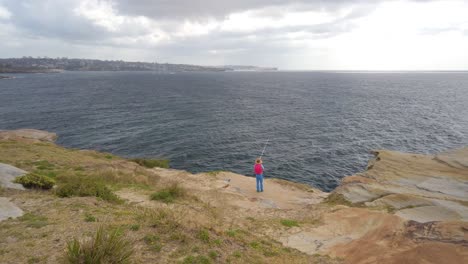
[187,230]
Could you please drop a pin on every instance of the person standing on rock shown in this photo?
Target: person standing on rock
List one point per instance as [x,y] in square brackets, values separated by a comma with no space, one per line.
[258,170]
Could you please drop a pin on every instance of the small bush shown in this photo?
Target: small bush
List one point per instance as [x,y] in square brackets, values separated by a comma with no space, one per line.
[152,163]
[85,186]
[105,247]
[169,194]
[33,180]
[289,223]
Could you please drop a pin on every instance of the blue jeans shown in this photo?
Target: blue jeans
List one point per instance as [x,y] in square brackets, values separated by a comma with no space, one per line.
[259,178]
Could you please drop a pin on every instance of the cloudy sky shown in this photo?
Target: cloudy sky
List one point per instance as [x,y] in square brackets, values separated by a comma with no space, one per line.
[307,34]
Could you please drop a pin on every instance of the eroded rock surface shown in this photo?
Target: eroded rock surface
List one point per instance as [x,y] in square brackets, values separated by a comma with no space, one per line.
[418,187]
[32,135]
[8,209]
[8,174]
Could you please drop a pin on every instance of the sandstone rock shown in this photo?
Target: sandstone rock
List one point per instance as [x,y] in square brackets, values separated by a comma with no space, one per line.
[31,135]
[421,188]
[8,209]
[8,174]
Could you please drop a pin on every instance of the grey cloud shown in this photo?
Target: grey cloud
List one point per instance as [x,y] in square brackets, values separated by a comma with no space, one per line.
[52,19]
[57,19]
[203,9]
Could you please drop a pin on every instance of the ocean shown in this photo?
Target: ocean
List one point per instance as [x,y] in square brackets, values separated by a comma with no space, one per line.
[321,126]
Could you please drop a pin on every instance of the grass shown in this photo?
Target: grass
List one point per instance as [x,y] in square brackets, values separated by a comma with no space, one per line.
[152,163]
[204,235]
[103,247]
[187,231]
[85,186]
[233,232]
[196,260]
[32,260]
[43,165]
[214,173]
[90,218]
[169,194]
[33,220]
[35,181]
[289,222]
[153,242]
[135,227]
[213,254]
[237,254]
[164,220]
[337,199]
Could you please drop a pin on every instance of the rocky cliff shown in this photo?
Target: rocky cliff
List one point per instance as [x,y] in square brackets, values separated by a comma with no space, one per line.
[406,208]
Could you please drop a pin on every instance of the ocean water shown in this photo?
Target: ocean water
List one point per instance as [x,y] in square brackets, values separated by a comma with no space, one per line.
[321,125]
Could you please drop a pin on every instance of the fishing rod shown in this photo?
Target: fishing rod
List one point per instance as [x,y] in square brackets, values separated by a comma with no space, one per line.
[263,151]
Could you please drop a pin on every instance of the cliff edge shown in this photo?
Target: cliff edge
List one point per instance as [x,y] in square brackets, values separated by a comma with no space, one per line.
[406,208]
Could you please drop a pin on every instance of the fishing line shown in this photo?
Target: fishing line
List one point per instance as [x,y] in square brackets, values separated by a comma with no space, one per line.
[263,151]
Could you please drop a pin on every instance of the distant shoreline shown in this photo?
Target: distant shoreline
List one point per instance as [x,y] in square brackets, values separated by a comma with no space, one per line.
[49,65]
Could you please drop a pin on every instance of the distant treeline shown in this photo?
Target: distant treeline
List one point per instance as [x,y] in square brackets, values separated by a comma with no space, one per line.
[35,65]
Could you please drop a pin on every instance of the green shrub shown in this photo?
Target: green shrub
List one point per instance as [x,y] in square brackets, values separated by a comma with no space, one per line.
[84,186]
[289,223]
[169,194]
[105,247]
[33,180]
[152,163]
